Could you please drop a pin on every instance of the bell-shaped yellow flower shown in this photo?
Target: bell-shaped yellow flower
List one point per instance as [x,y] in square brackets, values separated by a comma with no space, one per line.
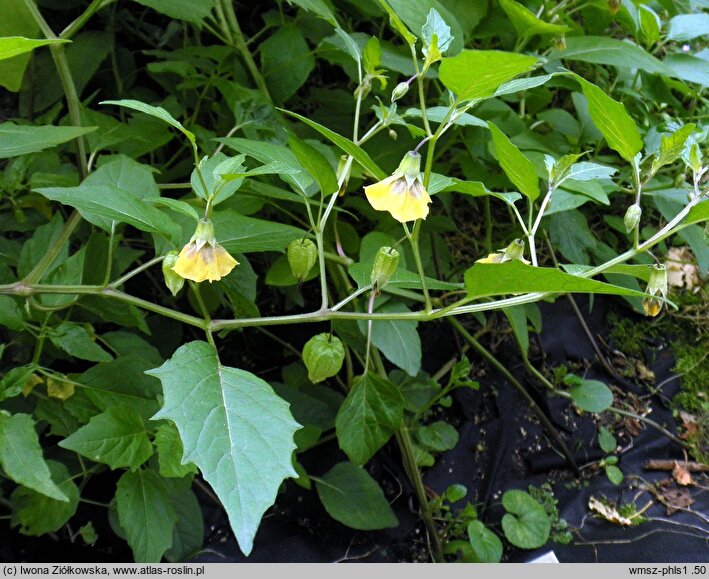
[656,291]
[203,258]
[514,250]
[403,194]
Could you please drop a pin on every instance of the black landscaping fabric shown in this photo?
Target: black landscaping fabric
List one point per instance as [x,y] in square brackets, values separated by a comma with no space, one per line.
[502,447]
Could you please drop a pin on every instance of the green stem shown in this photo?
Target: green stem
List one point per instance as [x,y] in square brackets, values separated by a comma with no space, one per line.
[403,439]
[551,430]
[414,241]
[205,313]
[78,24]
[240,45]
[25,289]
[67,81]
[124,278]
[50,255]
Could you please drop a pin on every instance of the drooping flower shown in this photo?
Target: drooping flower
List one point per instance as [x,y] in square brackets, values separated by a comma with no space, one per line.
[403,194]
[514,250]
[656,291]
[203,258]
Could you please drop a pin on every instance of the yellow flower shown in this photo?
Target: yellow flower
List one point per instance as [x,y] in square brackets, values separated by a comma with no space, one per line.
[403,194]
[656,291]
[203,258]
[514,250]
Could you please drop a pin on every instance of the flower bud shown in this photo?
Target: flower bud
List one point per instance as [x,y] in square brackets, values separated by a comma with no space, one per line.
[323,356]
[385,263]
[656,289]
[302,255]
[613,6]
[560,42]
[173,280]
[399,91]
[393,135]
[632,217]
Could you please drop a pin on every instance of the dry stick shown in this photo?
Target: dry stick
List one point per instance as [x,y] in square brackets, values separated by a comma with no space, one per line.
[520,388]
[671,464]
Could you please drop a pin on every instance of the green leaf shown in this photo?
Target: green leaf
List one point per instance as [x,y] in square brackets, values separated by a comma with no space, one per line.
[21,456]
[516,166]
[371,413]
[241,234]
[316,164]
[175,204]
[513,277]
[477,74]
[116,437]
[398,340]
[438,436]
[153,111]
[606,440]
[689,67]
[605,50]
[586,171]
[146,514]
[102,204]
[265,152]
[15,45]
[671,146]
[684,27]
[171,451]
[14,380]
[17,20]
[191,10]
[286,62]
[435,27]
[229,420]
[526,22]
[569,233]
[698,213]
[614,474]
[10,313]
[611,118]
[75,340]
[37,514]
[357,152]
[318,7]
[592,396]
[526,524]
[352,497]
[415,14]
[16,140]
[486,545]
[121,382]
[188,534]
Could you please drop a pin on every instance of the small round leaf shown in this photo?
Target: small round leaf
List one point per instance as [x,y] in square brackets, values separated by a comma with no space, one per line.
[526,524]
[592,396]
[486,545]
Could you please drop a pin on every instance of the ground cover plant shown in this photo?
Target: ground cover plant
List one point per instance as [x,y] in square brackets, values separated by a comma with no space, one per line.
[228,228]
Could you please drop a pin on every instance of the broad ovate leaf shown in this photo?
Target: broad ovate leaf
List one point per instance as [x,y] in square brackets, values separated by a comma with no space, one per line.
[518,168]
[352,497]
[614,122]
[234,427]
[371,413]
[21,456]
[477,74]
